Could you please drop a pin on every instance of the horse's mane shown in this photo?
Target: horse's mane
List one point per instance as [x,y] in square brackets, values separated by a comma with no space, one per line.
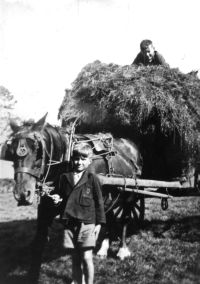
[30,126]
[28,123]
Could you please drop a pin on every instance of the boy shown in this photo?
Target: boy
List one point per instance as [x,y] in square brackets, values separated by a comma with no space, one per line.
[148,55]
[82,212]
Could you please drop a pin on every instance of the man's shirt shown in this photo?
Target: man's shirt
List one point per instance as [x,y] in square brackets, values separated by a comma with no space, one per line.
[158,59]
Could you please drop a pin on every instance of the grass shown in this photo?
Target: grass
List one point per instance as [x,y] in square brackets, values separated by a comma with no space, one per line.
[165,250]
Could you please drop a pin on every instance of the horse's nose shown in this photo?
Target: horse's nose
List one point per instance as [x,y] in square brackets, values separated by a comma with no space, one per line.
[22,195]
[23,201]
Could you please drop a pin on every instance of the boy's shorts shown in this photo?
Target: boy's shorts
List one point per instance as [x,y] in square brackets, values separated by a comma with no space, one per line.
[79,236]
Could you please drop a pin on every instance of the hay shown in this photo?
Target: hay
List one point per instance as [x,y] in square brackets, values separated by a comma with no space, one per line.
[106,95]
[135,102]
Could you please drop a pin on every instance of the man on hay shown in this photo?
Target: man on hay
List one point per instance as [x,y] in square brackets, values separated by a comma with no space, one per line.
[148,56]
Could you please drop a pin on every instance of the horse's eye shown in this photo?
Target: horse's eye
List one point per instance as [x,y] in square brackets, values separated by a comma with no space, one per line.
[31,144]
[14,144]
[39,152]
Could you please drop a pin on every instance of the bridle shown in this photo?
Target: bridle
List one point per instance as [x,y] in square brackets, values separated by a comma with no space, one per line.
[39,173]
[37,138]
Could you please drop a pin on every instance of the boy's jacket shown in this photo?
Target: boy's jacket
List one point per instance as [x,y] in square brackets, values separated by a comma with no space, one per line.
[83,201]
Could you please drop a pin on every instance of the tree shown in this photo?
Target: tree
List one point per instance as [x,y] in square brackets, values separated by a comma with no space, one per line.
[7,103]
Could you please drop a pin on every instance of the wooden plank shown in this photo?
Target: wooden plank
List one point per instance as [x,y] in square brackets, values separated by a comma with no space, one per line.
[174,188]
[120,181]
[148,193]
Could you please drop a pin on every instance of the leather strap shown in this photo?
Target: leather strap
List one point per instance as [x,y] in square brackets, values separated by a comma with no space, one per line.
[32,172]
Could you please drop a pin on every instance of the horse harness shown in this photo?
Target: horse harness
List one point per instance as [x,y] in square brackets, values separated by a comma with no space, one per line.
[37,172]
[22,151]
[102,146]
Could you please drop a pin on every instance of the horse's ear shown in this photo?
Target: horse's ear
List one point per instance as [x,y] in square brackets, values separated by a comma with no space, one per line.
[40,123]
[14,126]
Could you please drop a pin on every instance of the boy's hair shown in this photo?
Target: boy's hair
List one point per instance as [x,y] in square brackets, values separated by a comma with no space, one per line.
[82,149]
[145,43]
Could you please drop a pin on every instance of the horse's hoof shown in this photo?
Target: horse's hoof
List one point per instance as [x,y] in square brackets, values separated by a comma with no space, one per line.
[102,256]
[75,282]
[123,253]
[103,251]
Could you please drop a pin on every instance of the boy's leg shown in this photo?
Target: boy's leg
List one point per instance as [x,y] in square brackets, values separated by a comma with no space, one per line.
[88,265]
[77,267]
[86,242]
[69,242]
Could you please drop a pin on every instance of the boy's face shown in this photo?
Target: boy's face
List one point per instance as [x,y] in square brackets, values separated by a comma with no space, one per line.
[81,163]
[148,52]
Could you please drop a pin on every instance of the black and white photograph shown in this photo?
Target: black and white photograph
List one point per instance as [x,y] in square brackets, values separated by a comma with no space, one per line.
[99,142]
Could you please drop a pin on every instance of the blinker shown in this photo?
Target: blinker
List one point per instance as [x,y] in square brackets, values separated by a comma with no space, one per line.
[22,148]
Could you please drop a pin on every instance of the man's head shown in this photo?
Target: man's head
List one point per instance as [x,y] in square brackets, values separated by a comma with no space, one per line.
[147,49]
[81,156]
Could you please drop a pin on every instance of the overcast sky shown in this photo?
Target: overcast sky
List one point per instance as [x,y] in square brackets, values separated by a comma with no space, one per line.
[44,44]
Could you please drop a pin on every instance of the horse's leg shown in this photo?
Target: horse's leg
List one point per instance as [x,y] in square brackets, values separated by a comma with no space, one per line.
[44,220]
[124,250]
[36,253]
[103,251]
[103,240]
[133,213]
[106,235]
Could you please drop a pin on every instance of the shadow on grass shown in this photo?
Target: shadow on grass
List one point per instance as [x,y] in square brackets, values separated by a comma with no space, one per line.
[22,279]
[15,279]
[16,238]
[186,229]
[15,249]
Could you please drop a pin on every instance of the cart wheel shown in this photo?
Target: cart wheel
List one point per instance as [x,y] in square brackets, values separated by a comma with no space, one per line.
[128,206]
[138,209]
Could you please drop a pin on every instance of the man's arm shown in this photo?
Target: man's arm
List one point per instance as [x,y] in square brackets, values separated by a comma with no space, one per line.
[138,60]
[160,59]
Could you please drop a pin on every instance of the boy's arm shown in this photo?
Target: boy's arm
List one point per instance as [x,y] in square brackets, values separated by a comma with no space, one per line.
[56,194]
[98,199]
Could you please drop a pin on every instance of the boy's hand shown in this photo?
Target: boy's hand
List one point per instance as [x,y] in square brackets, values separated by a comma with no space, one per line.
[56,198]
[97,230]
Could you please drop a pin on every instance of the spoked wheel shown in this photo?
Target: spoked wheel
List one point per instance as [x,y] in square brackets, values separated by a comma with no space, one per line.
[137,209]
[131,208]
[126,206]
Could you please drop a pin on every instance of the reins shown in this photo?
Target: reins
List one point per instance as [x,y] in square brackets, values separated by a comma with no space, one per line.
[71,138]
[42,185]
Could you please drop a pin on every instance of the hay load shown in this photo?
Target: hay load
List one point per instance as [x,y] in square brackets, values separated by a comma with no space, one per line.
[157,107]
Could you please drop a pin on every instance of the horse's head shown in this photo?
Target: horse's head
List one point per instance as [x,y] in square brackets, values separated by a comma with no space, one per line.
[26,150]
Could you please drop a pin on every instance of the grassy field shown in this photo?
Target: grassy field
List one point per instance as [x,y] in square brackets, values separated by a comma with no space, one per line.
[165,250]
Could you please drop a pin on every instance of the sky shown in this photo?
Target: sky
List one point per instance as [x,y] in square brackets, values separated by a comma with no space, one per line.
[44,44]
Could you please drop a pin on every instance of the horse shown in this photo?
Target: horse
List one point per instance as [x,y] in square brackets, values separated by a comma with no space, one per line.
[41,152]
[35,149]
